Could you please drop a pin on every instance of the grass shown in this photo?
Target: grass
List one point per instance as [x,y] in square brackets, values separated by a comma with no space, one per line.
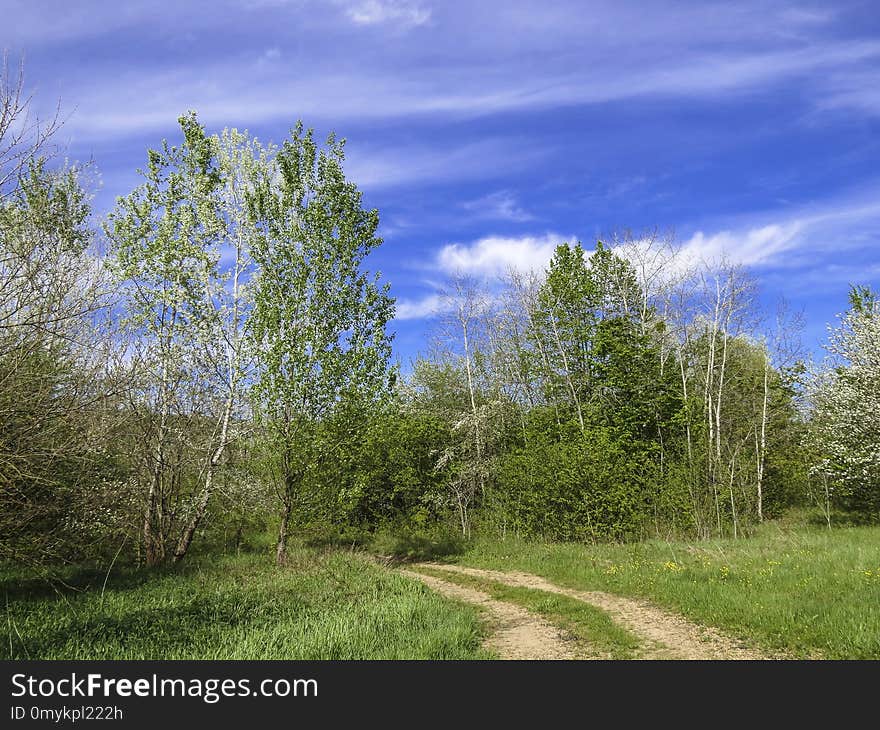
[594,631]
[808,591]
[323,605]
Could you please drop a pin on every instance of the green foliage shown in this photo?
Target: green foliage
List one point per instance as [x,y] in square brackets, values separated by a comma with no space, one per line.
[409,543]
[162,235]
[319,318]
[586,487]
[318,323]
[380,466]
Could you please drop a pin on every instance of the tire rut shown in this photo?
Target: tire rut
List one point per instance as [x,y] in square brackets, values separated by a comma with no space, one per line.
[515,632]
[665,635]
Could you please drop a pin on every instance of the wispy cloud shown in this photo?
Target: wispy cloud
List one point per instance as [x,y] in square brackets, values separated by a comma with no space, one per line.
[486,78]
[811,236]
[373,168]
[400,13]
[428,306]
[500,205]
[496,255]
[749,248]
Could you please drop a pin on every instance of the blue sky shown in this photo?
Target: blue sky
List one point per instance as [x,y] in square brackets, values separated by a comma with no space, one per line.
[485,132]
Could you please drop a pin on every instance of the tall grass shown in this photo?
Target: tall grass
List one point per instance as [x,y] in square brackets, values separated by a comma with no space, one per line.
[809,591]
[323,605]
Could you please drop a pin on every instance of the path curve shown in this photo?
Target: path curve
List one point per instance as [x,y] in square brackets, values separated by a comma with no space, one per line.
[516,633]
[665,635]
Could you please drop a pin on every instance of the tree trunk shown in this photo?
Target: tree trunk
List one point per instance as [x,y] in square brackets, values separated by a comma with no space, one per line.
[762,446]
[208,488]
[284,530]
[574,396]
[151,555]
[470,381]
[154,549]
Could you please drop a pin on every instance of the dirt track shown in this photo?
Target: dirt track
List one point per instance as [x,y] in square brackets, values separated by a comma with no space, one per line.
[664,635]
[516,633]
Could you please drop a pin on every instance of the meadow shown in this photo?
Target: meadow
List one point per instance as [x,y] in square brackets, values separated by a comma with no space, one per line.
[807,591]
[321,605]
[790,590]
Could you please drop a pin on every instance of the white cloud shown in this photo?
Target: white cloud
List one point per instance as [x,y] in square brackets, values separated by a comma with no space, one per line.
[751,247]
[428,306]
[487,258]
[807,244]
[400,13]
[496,255]
[796,237]
[501,205]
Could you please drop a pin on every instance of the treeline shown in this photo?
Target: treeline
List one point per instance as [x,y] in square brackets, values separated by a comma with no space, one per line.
[174,374]
[617,395]
[624,393]
[213,361]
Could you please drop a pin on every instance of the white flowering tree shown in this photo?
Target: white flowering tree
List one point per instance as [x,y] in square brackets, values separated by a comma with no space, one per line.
[846,400]
[181,243]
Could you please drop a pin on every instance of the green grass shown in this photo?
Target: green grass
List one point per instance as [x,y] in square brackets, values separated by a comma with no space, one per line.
[807,591]
[594,631]
[323,605]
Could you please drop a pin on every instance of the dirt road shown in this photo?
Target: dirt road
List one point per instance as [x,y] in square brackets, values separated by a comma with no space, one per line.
[664,635]
[515,632]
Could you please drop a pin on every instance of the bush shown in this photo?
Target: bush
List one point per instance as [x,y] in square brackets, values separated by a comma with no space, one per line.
[413,544]
[594,486]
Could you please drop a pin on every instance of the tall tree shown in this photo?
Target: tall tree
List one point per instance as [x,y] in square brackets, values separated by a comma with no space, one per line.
[222,348]
[319,317]
[164,235]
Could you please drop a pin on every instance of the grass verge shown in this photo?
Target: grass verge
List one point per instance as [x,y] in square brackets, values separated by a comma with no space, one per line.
[322,605]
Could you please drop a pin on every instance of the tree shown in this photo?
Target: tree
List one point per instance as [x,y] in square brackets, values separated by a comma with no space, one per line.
[55,455]
[845,424]
[24,138]
[164,237]
[319,318]
[222,345]
[467,456]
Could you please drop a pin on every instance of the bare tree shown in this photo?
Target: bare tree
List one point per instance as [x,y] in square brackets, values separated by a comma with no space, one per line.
[24,137]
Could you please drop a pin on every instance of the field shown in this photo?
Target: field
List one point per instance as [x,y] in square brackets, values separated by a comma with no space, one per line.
[793,592]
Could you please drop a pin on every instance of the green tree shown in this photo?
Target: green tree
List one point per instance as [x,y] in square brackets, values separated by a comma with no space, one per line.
[319,318]
[164,239]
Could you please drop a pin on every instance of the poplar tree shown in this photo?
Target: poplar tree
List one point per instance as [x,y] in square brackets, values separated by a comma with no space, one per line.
[319,317]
